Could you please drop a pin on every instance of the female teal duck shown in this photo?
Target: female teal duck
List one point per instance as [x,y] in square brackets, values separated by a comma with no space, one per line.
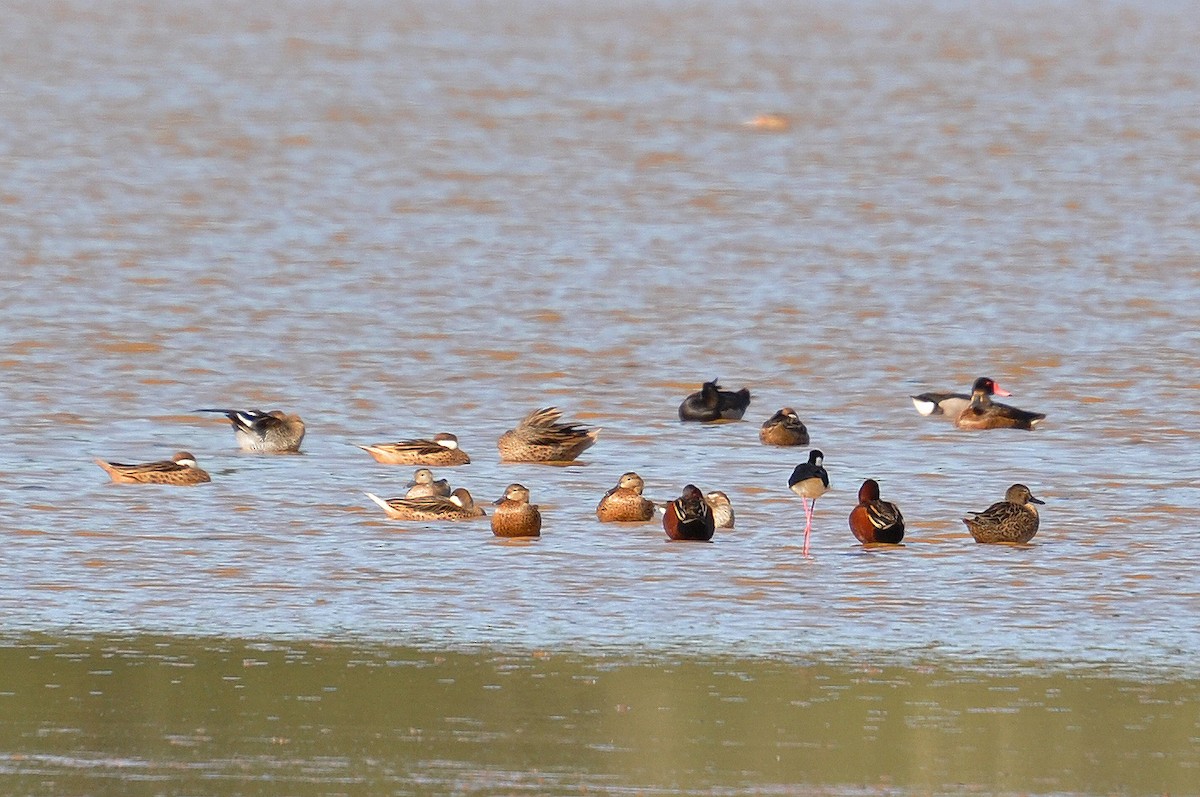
[514,516]
[625,502]
[540,437]
[1015,519]
[784,428]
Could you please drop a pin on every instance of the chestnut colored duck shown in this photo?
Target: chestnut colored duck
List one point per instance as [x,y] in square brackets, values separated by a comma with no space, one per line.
[540,437]
[457,506]
[714,404]
[809,481]
[181,469]
[271,432]
[514,516]
[784,428]
[875,520]
[625,502]
[689,517]
[983,413]
[1015,519]
[440,451]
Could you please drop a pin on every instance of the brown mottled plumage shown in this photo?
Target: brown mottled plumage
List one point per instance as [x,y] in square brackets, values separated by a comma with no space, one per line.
[540,437]
[457,506]
[1015,519]
[441,451]
[180,469]
[983,413]
[784,428]
[625,503]
[514,516]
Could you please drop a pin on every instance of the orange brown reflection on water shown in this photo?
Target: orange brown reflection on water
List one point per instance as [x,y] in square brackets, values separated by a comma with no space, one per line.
[221,716]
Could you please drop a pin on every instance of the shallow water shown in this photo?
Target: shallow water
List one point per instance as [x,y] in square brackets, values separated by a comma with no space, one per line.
[396,219]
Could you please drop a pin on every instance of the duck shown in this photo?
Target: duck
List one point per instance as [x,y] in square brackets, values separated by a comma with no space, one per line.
[540,437]
[424,486]
[1015,519]
[721,507]
[810,481]
[875,520]
[440,451]
[983,413]
[625,503]
[714,404]
[273,432]
[181,469]
[951,404]
[689,518]
[784,428]
[457,506]
[514,516]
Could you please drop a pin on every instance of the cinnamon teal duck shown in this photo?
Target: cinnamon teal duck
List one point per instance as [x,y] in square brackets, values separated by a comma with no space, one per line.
[689,517]
[440,451]
[784,428]
[181,469]
[714,404]
[271,432]
[514,516]
[457,506]
[875,520]
[809,480]
[1015,519]
[540,437]
[625,502]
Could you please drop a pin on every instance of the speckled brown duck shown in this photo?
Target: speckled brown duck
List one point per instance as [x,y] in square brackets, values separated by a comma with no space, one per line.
[784,428]
[875,520]
[689,518]
[440,451]
[1015,519]
[540,437]
[983,413]
[273,432]
[712,403]
[625,502]
[457,506]
[423,485]
[514,516]
[181,469]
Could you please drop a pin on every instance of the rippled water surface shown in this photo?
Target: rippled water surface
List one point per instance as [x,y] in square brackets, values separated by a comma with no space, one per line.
[403,218]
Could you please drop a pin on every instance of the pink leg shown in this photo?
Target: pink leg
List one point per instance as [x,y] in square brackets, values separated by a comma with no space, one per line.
[807,524]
